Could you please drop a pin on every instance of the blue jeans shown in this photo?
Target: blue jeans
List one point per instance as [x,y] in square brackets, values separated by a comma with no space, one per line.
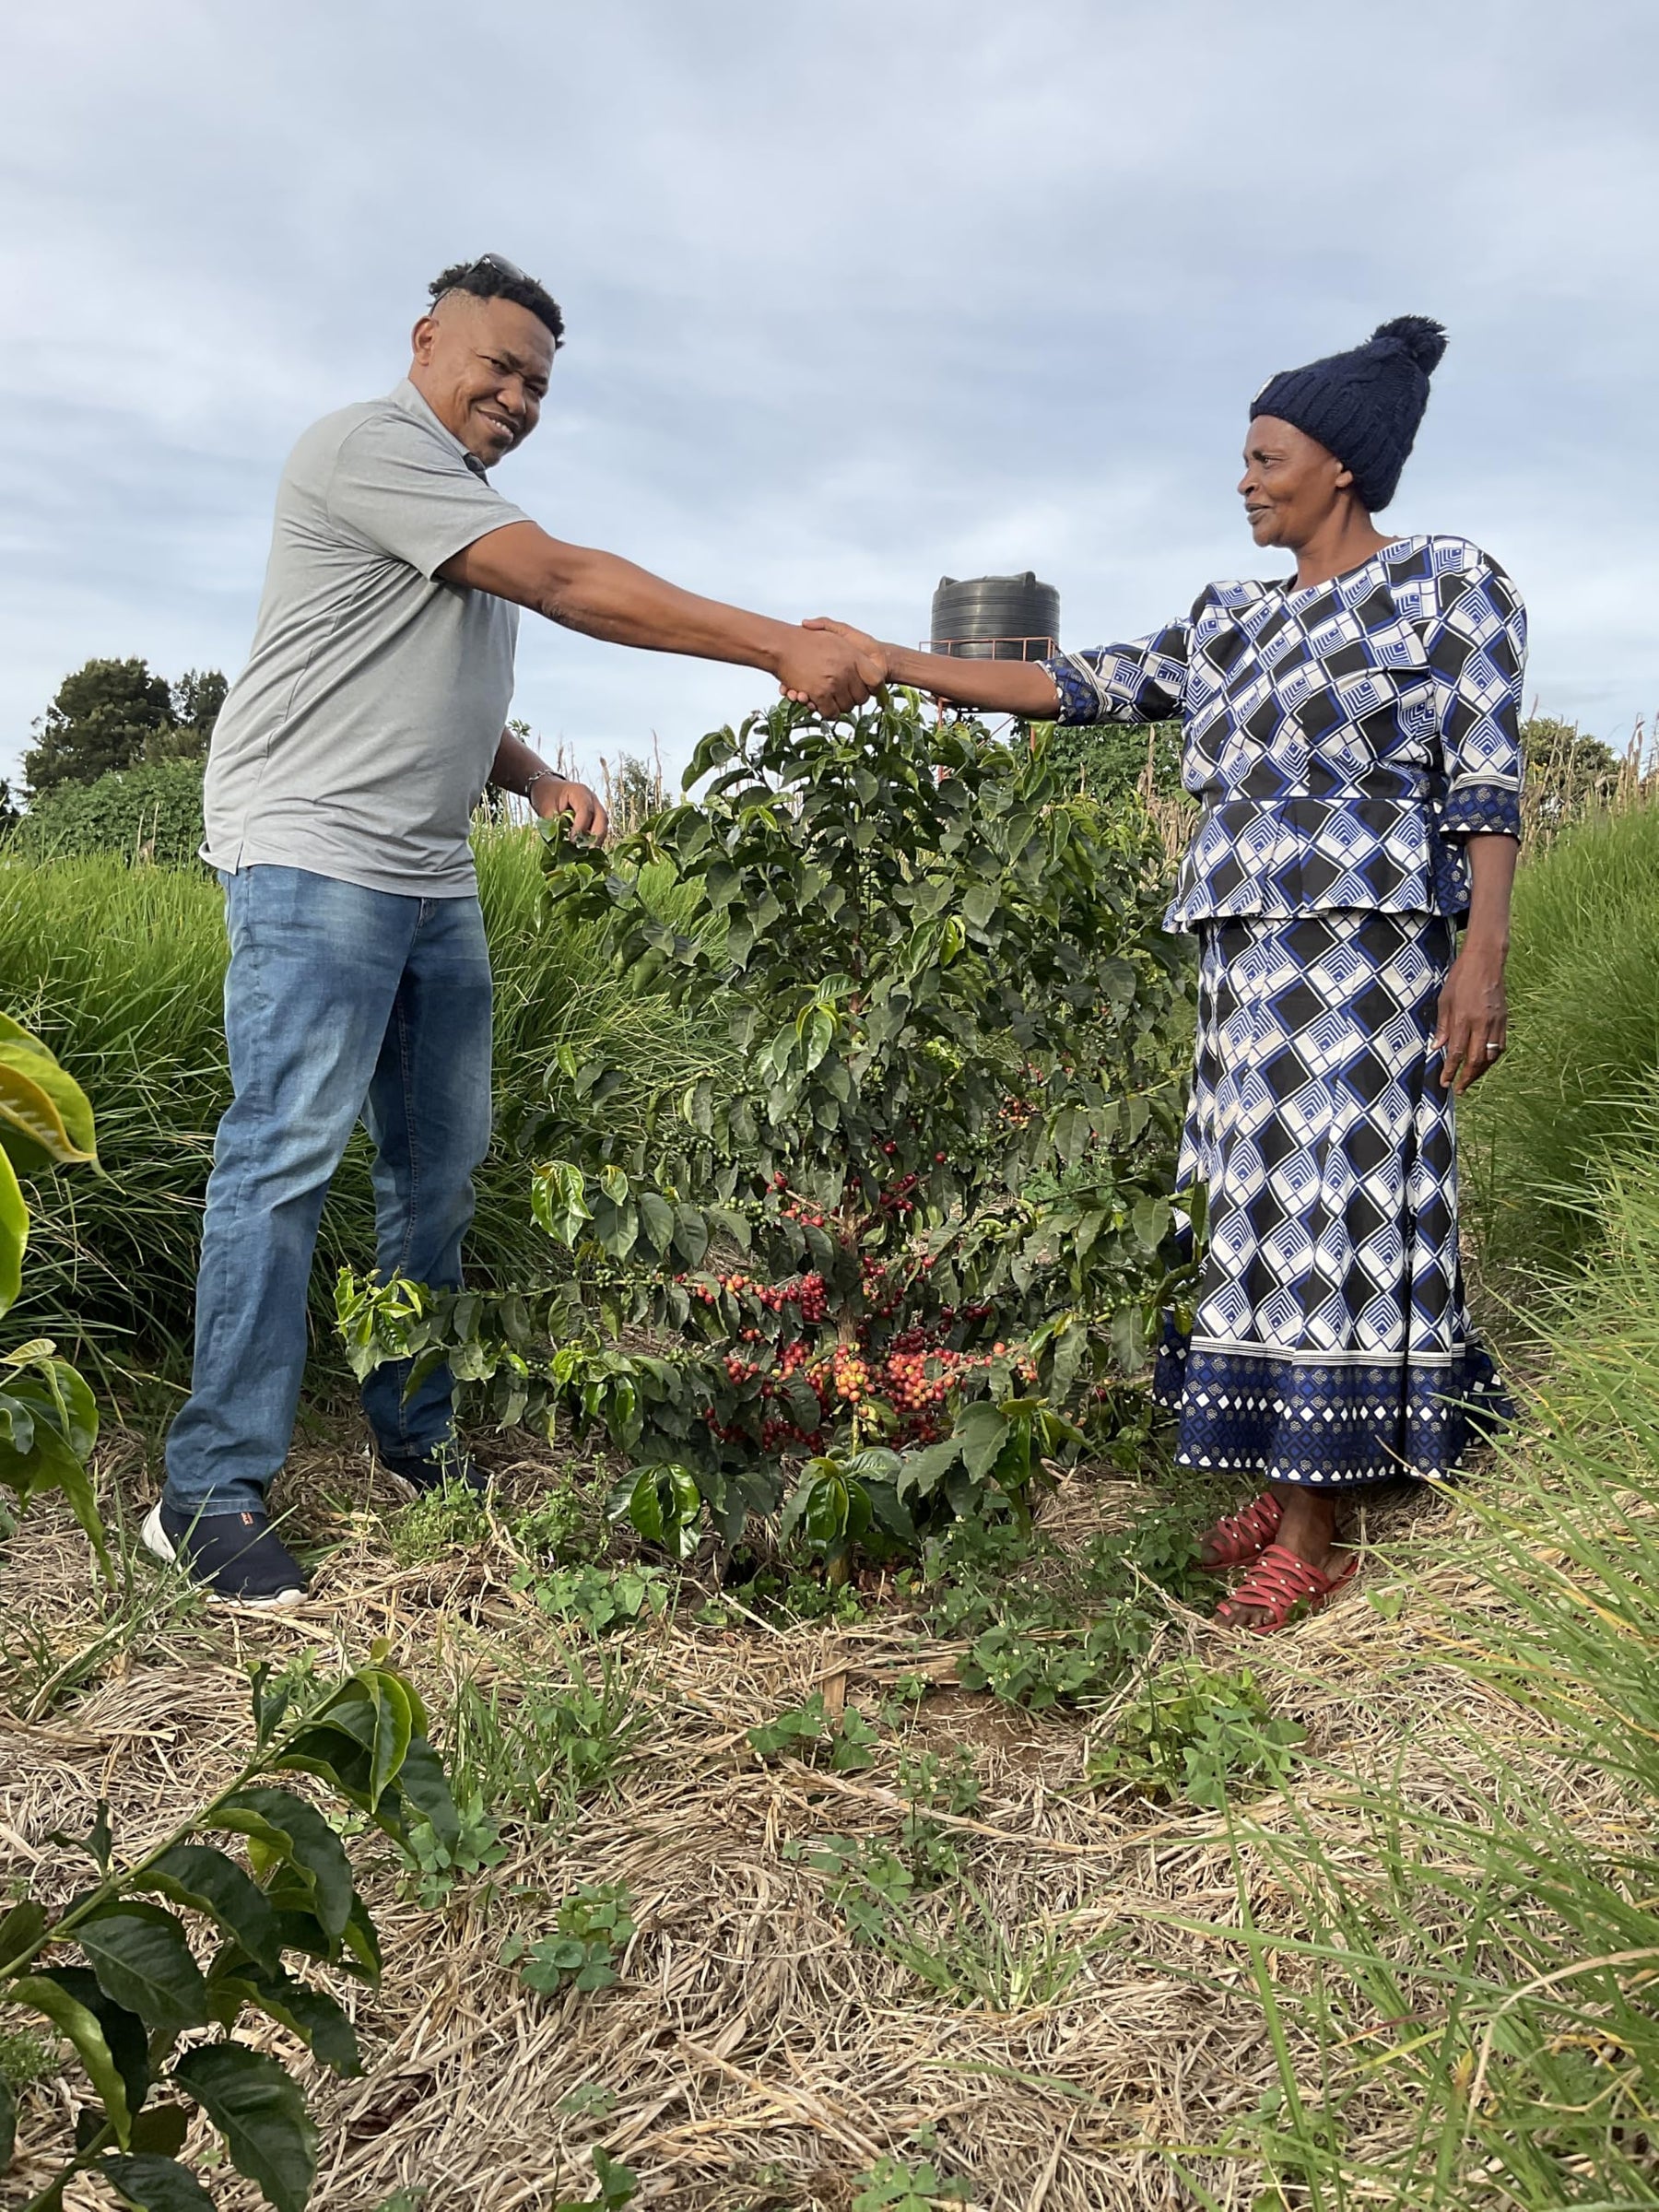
[339,1002]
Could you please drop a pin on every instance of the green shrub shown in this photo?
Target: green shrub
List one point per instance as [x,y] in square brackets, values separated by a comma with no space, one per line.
[147,813]
[1583,1040]
[1112,762]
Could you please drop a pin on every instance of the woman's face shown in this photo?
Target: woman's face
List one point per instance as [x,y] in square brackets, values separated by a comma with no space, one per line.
[1291,484]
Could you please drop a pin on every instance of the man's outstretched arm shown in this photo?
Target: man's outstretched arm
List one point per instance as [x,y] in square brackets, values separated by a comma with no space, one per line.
[607,597]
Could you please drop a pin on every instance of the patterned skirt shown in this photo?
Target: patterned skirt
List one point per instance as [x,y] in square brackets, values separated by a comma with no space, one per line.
[1329,1342]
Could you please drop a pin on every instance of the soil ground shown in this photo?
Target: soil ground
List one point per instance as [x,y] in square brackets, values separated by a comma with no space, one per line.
[1095,2034]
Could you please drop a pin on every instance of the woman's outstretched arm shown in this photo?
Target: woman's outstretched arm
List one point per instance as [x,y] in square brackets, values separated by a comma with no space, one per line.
[1022,688]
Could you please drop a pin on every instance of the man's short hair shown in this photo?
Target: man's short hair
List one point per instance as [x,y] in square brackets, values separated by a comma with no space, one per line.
[491,278]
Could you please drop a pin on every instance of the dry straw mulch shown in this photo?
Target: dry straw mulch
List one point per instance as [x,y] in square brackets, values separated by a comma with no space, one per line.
[752,2054]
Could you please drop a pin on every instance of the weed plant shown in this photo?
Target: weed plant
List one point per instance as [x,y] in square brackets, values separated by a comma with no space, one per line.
[591,1929]
[972,1956]
[557,1527]
[598,1599]
[1045,1626]
[896,2185]
[1492,1979]
[844,1742]
[147,1611]
[869,1883]
[617,2185]
[1199,1735]
[920,1909]
[26,2056]
[438,1864]
[120,969]
[782,1593]
[534,1749]
[589,2100]
[450,1518]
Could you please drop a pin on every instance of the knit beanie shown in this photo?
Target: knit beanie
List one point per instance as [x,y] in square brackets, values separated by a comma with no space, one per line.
[1363,406]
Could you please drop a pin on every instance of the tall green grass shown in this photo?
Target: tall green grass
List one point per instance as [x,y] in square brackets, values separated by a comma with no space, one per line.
[120,970]
[1461,1994]
[1467,2017]
[1584,1041]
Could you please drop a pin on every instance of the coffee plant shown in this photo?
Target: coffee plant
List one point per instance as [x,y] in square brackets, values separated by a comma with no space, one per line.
[48,1419]
[125,1979]
[917,1249]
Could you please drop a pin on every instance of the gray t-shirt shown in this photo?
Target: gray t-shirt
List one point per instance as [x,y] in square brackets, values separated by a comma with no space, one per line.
[358,739]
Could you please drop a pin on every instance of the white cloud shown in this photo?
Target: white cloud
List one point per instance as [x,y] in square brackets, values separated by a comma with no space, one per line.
[858,295]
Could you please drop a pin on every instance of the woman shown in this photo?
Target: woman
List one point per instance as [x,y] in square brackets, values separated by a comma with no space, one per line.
[1353,734]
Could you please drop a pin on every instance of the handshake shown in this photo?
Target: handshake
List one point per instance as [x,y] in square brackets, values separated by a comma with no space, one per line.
[831,666]
[836,668]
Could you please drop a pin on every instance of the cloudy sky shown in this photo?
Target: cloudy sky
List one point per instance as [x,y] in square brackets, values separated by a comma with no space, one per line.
[858,294]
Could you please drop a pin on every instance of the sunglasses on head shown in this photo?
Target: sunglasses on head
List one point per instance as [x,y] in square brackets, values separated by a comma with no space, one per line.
[500,264]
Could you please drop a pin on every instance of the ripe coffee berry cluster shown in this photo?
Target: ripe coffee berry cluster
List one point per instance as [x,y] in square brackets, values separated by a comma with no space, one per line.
[808,1292]
[881,1357]
[913,1375]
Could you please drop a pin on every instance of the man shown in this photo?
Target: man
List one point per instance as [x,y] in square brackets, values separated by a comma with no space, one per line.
[343,771]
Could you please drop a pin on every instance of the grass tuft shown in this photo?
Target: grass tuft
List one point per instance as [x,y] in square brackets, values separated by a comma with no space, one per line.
[1583,1042]
[1461,2004]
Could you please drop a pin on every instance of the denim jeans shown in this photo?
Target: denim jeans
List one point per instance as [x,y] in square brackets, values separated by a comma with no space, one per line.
[339,1002]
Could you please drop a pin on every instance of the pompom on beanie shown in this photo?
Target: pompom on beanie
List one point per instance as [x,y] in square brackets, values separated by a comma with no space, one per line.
[1363,406]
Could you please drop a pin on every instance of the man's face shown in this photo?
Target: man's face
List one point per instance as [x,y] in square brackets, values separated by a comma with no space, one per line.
[482,367]
[1290,483]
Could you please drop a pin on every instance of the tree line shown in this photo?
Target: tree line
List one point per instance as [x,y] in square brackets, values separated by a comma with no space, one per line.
[112,714]
[116,714]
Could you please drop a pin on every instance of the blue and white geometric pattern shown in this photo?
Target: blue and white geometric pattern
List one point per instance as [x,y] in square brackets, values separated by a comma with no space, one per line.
[1330,1342]
[1344,738]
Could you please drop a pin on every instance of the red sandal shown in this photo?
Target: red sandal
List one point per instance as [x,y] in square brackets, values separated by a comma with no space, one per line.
[1277,1584]
[1239,1538]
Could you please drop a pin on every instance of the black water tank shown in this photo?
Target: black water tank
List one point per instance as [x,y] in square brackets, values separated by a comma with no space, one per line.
[996,617]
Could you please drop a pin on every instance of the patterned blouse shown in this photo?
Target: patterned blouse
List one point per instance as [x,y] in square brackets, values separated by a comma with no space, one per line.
[1344,739]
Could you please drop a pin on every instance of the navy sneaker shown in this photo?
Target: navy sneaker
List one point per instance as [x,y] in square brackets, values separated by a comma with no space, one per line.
[237,1559]
[419,1478]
